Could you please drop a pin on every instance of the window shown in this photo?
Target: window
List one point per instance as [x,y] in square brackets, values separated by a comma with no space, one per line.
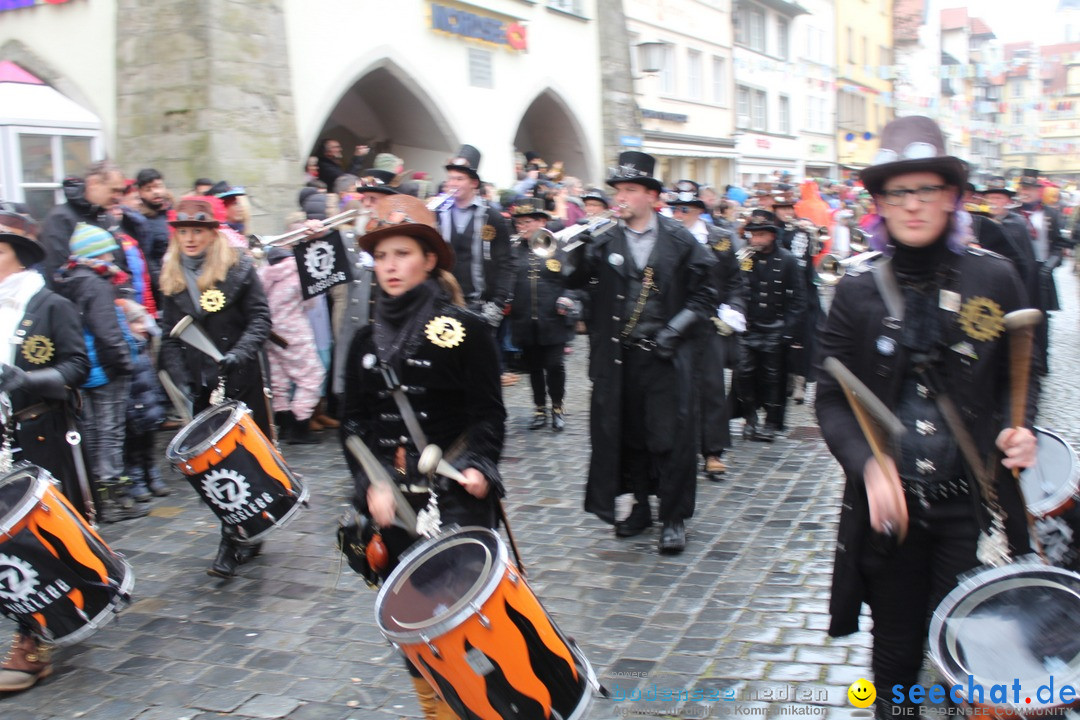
[45,161]
[852,112]
[815,114]
[782,39]
[759,116]
[719,79]
[1016,87]
[850,45]
[667,70]
[693,75]
[570,6]
[785,114]
[1018,115]
[865,52]
[481,74]
[750,30]
[742,107]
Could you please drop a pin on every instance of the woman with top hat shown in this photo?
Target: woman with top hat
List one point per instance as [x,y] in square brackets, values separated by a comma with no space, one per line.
[922,329]
[40,367]
[423,340]
[218,286]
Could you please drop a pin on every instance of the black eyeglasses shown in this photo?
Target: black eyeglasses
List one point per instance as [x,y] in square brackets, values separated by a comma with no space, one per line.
[926,193]
[681,209]
[197,217]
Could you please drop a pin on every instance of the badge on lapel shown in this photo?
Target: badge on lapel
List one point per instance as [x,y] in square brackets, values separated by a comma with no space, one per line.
[212,300]
[982,319]
[445,332]
[38,349]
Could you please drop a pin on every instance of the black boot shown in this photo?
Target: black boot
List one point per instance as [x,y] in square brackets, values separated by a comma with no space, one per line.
[301,433]
[284,422]
[247,552]
[557,420]
[117,504]
[227,560]
[539,418]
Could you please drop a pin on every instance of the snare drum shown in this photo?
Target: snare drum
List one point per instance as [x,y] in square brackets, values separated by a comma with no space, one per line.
[57,575]
[237,472]
[1050,487]
[470,624]
[1020,622]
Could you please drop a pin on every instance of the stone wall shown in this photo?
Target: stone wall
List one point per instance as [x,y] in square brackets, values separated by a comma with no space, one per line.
[621,115]
[203,90]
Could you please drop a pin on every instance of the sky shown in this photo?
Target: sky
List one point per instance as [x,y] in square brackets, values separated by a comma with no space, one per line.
[1015,20]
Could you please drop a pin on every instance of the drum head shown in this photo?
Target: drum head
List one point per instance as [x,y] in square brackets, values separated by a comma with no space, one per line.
[1052,482]
[207,428]
[1018,622]
[20,490]
[436,587]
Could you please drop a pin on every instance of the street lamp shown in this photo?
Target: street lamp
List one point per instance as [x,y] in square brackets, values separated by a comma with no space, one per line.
[651,56]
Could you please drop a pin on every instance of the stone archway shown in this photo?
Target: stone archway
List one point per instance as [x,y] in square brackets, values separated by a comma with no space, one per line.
[387,110]
[550,128]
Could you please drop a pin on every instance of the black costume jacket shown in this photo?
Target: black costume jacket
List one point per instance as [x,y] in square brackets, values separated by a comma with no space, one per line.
[974,371]
[683,269]
[539,284]
[726,278]
[241,326]
[50,336]
[489,236]
[450,374]
[776,298]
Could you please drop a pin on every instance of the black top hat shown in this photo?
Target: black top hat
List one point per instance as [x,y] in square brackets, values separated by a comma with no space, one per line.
[376,181]
[529,207]
[762,220]
[467,161]
[20,232]
[912,144]
[405,215]
[596,194]
[221,186]
[997,185]
[785,198]
[687,192]
[1030,177]
[636,167]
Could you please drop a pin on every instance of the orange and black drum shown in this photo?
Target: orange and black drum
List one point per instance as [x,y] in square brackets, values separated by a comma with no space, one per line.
[57,576]
[237,471]
[468,621]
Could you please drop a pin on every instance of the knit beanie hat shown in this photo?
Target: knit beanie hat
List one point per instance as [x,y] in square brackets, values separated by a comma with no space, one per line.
[90,241]
[387,161]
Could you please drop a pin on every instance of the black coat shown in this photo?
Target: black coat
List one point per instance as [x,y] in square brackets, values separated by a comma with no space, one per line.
[50,336]
[241,327]
[775,293]
[683,269]
[499,263]
[95,298]
[726,278]
[59,225]
[454,389]
[539,284]
[979,388]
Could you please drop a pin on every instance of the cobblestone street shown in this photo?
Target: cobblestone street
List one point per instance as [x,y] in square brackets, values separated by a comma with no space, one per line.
[743,611]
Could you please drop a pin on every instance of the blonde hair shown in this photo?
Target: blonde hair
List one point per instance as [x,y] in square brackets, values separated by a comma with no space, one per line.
[450,286]
[218,259]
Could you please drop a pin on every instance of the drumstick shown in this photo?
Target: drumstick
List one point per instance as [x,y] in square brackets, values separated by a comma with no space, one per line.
[1021,326]
[378,476]
[868,409]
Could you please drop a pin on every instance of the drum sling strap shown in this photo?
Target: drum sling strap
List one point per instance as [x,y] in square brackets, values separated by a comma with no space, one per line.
[993,546]
[420,441]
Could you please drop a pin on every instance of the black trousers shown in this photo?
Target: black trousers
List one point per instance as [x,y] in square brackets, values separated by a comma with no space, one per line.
[760,380]
[547,372]
[905,586]
[712,405]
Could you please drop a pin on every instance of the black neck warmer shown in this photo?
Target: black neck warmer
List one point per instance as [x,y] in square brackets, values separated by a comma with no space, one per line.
[920,263]
[397,319]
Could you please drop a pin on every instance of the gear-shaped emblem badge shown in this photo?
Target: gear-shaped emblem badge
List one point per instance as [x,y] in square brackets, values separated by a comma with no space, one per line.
[319,259]
[982,319]
[212,300]
[445,332]
[227,489]
[18,580]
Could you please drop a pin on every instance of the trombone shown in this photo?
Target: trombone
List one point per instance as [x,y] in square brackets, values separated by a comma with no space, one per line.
[545,243]
[295,236]
[831,268]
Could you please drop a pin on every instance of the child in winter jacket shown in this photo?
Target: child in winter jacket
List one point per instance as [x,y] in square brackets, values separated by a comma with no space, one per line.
[145,409]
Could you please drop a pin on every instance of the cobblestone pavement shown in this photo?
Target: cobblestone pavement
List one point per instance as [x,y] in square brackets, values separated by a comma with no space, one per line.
[742,612]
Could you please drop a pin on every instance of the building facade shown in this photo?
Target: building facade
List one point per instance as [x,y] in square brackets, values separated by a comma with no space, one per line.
[815,80]
[864,86]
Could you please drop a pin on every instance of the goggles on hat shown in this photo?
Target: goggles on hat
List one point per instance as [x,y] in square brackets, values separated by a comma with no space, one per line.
[914,151]
[626,171]
[396,217]
[193,217]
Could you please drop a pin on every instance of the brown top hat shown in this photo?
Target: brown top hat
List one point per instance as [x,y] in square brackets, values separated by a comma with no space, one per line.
[20,232]
[406,215]
[194,211]
[912,144]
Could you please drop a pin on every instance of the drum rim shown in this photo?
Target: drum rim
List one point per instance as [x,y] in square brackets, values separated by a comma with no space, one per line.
[462,614]
[286,518]
[39,485]
[236,408]
[980,578]
[107,613]
[1064,492]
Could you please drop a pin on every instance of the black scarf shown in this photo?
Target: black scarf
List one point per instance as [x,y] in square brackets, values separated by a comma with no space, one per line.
[398,320]
[920,272]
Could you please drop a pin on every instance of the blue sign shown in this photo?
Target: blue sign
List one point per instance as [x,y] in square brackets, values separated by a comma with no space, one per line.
[630,140]
[461,22]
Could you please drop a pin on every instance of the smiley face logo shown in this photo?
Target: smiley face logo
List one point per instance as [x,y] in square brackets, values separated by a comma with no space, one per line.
[862,693]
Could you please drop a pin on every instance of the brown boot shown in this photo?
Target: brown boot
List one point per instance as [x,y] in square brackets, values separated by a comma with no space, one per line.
[26,662]
[425,695]
[325,420]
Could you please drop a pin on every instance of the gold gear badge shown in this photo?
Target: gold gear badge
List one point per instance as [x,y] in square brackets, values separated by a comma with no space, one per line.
[38,349]
[982,319]
[445,332]
[212,300]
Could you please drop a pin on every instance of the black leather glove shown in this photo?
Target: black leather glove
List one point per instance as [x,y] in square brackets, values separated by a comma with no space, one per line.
[229,363]
[13,379]
[670,336]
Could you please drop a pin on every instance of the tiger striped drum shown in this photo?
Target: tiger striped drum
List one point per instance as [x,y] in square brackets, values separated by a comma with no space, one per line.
[468,621]
[57,575]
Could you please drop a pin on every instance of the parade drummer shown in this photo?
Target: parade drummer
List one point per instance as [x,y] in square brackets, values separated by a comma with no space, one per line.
[219,287]
[443,358]
[941,342]
[44,360]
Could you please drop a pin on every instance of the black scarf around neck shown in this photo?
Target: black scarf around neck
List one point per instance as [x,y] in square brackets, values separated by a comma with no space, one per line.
[398,320]
[920,272]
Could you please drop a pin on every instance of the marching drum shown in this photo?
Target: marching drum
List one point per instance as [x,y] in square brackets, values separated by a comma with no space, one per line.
[237,472]
[57,575]
[1051,486]
[468,621]
[1019,622]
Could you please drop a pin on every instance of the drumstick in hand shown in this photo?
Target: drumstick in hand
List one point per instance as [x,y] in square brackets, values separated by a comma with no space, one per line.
[873,416]
[1021,327]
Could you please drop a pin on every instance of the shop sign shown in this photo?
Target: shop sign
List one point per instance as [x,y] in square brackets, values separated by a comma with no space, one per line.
[6,5]
[668,116]
[763,143]
[488,29]
[817,149]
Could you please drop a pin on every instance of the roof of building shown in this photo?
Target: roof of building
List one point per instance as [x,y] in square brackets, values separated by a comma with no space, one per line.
[954,18]
[908,16]
[979,27]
